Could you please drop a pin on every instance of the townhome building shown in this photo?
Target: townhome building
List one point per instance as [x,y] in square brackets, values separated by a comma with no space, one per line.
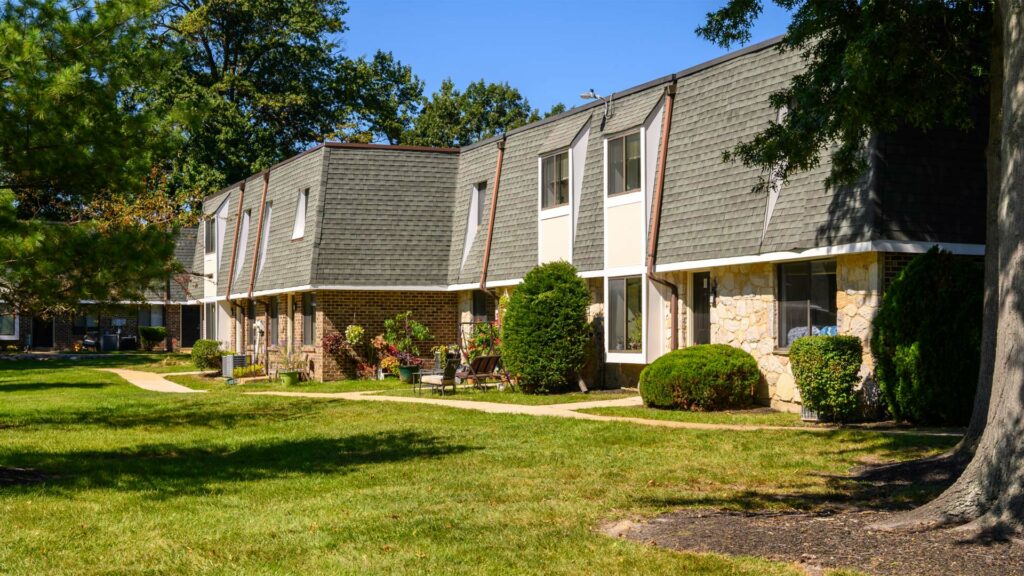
[677,246]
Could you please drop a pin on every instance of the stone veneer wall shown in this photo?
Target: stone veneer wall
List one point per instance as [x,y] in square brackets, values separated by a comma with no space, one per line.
[744,316]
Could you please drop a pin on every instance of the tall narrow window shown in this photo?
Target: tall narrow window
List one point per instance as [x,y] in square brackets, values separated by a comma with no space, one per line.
[151,315]
[625,314]
[555,181]
[251,313]
[8,322]
[243,241]
[210,309]
[210,235]
[267,212]
[624,164]
[299,230]
[481,194]
[483,306]
[308,315]
[272,326]
[807,300]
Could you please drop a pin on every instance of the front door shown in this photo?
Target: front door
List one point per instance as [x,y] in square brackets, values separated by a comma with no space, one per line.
[190,325]
[42,332]
[702,308]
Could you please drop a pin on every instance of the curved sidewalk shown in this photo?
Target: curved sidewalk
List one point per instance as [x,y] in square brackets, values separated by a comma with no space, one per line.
[151,381]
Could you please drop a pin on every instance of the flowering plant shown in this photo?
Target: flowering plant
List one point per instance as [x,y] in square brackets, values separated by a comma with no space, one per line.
[407,359]
[389,363]
[484,340]
[403,334]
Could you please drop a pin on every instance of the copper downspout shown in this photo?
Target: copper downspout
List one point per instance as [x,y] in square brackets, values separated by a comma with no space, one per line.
[234,252]
[259,232]
[659,190]
[490,220]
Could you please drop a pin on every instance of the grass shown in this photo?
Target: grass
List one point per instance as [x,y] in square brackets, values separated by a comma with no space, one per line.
[510,397]
[217,384]
[223,483]
[759,417]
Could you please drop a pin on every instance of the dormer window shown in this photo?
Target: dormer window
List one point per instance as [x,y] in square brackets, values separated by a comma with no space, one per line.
[555,181]
[624,164]
[210,235]
[299,230]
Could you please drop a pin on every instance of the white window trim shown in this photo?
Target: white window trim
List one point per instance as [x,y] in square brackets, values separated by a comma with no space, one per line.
[264,242]
[301,211]
[566,210]
[640,356]
[241,249]
[17,330]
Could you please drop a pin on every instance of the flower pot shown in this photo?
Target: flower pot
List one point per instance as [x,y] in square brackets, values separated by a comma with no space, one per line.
[289,378]
[408,373]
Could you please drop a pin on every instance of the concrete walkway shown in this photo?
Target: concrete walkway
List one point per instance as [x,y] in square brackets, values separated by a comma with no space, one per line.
[151,381]
[157,383]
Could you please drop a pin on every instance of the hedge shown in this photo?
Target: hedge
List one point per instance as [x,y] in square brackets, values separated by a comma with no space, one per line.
[827,371]
[704,377]
[206,354]
[927,340]
[152,335]
[545,335]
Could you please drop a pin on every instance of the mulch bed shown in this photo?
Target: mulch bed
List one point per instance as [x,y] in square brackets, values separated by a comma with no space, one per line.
[819,541]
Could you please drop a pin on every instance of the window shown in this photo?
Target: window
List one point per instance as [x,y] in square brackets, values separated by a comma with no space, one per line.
[299,230]
[8,323]
[210,235]
[272,325]
[554,181]
[267,211]
[151,315]
[807,300]
[483,307]
[624,164]
[481,193]
[84,323]
[308,308]
[243,241]
[210,309]
[625,314]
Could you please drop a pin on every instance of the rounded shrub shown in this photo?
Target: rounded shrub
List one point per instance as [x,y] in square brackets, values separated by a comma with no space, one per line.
[827,371]
[152,335]
[704,377]
[927,340]
[545,334]
[206,354]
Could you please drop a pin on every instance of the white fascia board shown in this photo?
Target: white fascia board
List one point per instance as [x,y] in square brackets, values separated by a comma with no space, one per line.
[591,274]
[854,248]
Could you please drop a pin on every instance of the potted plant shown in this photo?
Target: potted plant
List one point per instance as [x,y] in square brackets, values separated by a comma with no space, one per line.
[290,366]
[403,333]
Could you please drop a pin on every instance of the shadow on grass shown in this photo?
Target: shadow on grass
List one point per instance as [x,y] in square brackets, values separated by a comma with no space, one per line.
[855,491]
[40,386]
[172,470]
[186,412]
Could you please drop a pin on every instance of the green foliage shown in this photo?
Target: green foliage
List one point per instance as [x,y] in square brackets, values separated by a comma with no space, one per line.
[927,339]
[871,68]
[826,369]
[703,377]
[152,336]
[248,371]
[485,340]
[387,97]
[545,334]
[206,354]
[404,334]
[454,118]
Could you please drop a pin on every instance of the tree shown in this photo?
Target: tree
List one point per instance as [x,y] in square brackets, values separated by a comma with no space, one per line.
[85,212]
[267,72]
[871,66]
[453,118]
[387,97]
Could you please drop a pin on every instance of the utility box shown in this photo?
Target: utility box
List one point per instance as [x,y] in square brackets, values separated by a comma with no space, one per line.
[229,363]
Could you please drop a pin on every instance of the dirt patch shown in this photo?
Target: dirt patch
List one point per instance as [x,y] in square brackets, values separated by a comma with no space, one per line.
[821,541]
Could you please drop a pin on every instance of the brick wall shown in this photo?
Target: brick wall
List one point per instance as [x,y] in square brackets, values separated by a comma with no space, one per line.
[338,309]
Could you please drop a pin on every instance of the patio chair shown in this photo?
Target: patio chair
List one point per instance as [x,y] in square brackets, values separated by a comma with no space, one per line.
[446,377]
[481,368]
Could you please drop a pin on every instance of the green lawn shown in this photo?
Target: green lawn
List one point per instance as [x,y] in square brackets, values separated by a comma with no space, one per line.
[762,417]
[217,384]
[222,483]
[510,397]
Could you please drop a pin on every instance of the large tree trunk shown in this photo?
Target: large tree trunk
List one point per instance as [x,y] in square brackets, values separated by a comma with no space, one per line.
[989,495]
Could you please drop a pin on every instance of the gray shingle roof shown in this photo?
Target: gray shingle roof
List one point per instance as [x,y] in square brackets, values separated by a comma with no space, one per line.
[562,134]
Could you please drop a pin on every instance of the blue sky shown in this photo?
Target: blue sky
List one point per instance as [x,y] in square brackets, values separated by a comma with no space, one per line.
[551,51]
